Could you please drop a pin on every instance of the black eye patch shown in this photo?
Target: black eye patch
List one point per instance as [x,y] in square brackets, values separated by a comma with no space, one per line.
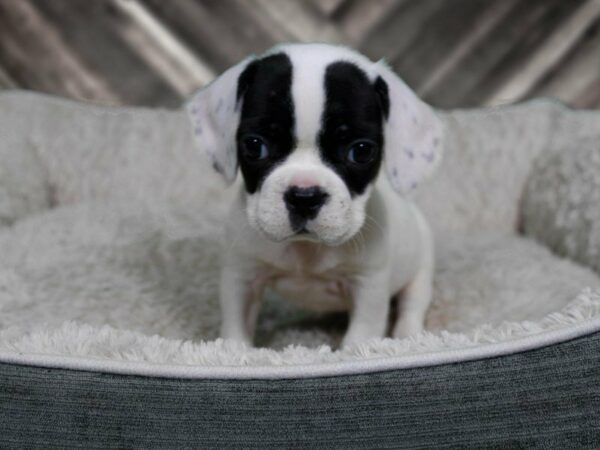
[266,118]
[352,122]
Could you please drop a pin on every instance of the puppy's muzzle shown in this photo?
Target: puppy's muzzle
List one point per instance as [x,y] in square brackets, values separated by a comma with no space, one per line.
[303,204]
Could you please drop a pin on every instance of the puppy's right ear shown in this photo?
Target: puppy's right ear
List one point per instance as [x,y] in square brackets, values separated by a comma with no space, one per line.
[214,112]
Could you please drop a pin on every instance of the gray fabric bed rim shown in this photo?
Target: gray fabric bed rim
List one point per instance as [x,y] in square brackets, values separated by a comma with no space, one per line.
[370,365]
[542,398]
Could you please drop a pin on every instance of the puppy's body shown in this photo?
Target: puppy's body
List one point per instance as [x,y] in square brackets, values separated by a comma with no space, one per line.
[378,263]
[309,127]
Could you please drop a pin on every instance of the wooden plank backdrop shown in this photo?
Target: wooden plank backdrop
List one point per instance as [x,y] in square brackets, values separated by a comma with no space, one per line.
[454,53]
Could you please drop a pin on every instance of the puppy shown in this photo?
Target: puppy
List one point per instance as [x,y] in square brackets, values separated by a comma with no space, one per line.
[310,127]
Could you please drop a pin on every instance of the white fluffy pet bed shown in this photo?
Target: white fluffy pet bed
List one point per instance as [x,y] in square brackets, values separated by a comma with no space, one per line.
[111,226]
[110,246]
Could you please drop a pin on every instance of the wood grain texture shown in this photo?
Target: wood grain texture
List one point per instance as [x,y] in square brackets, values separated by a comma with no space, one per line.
[456,53]
[34,53]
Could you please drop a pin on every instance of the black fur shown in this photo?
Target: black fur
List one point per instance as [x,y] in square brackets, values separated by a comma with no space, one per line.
[354,110]
[265,92]
[381,88]
[304,204]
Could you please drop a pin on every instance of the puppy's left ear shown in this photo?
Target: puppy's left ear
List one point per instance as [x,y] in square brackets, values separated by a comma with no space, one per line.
[214,112]
[413,133]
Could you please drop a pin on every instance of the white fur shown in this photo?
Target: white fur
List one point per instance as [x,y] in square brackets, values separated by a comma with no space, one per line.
[362,274]
[339,219]
[350,260]
[413,132]
[214,114]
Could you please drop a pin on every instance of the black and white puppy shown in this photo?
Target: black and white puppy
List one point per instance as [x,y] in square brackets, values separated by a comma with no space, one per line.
[310,127]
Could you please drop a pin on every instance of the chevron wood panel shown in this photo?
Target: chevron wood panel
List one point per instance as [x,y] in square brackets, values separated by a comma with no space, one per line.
[454,53]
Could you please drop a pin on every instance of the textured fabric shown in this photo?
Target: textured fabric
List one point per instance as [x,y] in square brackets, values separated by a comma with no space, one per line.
[110,248]
[544,398]
[561,202]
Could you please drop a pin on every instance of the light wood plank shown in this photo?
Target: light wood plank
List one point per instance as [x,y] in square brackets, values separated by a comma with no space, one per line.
[254,30]
[399,29]
[360,17]
[484,25]
[300,21]
[503,54]
[214,30]
[559,43]
[91,29]
[161,49]
[154,52]
[273,31]
[576,79]
[438,35]
[468,81]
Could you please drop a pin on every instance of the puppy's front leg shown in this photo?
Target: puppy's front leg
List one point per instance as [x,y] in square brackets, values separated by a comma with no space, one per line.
[415,298]
[370,308]
[413,304]
[240,304]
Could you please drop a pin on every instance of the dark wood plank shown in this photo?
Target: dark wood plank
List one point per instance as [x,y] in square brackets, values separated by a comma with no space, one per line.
[36,56]
[551,15]
[221,32]
[440,33]
[358,18]
[6,81]
[300,21]
[590,99]
[253,32]
[90,28]
[484,26]
[547,56]
[403,24]
[485,57]
[328,8]
[271,30]
[153,52]
[160,48]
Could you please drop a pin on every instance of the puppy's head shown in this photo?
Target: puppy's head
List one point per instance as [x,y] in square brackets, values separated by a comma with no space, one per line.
[309,126]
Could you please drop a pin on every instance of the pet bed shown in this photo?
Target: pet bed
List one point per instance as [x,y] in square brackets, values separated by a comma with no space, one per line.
[109,251]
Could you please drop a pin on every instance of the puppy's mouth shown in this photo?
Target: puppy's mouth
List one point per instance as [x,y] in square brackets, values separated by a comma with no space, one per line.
[305,234]
[317,230]
[308,235]
[299,226]
[301,232]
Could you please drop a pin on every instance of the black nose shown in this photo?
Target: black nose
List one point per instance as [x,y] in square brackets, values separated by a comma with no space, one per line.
[305,202]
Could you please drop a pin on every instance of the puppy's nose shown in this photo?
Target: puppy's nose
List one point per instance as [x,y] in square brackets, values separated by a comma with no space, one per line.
[305,202]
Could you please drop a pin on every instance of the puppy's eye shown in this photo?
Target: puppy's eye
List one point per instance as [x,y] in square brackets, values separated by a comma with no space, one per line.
[254,148]
[361,152]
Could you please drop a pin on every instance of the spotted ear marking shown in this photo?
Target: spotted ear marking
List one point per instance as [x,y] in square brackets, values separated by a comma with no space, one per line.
[214,115]
[413,133]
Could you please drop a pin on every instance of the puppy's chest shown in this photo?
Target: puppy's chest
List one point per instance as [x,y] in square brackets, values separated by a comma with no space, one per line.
[315,277]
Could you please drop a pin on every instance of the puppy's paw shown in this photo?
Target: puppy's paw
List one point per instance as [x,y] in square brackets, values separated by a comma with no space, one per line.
[348,342]
[237,336]
[247,342]
[352,339]
[407,326]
